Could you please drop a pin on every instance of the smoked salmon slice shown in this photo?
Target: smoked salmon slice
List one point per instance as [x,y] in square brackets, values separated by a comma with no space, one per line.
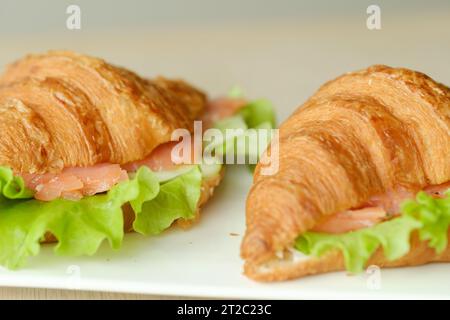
[351,220]
[376,210]
[74,183]
[160,159]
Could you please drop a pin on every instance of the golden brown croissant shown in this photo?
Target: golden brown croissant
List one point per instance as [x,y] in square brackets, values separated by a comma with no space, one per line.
[364,134]
[62,109]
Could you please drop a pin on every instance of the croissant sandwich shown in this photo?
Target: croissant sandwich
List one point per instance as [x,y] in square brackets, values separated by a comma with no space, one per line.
[364,169]
[86,153]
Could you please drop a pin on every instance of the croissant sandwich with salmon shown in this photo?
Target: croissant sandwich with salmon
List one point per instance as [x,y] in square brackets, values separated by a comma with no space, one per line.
[86,154]
[364,169]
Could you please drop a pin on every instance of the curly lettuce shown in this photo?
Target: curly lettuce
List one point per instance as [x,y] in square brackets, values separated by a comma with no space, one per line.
[176,199]
[12,187]
[429,216]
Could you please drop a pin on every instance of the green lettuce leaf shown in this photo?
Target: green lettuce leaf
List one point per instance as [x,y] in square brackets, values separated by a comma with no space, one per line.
[258,112]
[176,199]
[255,116]
[81,226]
[12,187]
[430,216]
[435,217]
[235,92]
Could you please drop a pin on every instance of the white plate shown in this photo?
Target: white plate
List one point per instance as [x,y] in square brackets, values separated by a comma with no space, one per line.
[204,261]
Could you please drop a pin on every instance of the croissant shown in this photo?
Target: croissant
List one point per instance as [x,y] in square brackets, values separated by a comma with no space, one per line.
[63,109]
[370,138]
[63,113]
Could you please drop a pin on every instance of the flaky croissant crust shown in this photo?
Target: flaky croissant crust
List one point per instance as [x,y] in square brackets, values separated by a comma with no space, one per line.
[63,109]
[360,135]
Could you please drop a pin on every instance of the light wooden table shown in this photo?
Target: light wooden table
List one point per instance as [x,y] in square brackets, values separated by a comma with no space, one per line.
[52,294]
[263,58]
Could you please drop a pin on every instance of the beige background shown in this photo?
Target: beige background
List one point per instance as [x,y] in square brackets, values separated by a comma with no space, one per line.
[277,53]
